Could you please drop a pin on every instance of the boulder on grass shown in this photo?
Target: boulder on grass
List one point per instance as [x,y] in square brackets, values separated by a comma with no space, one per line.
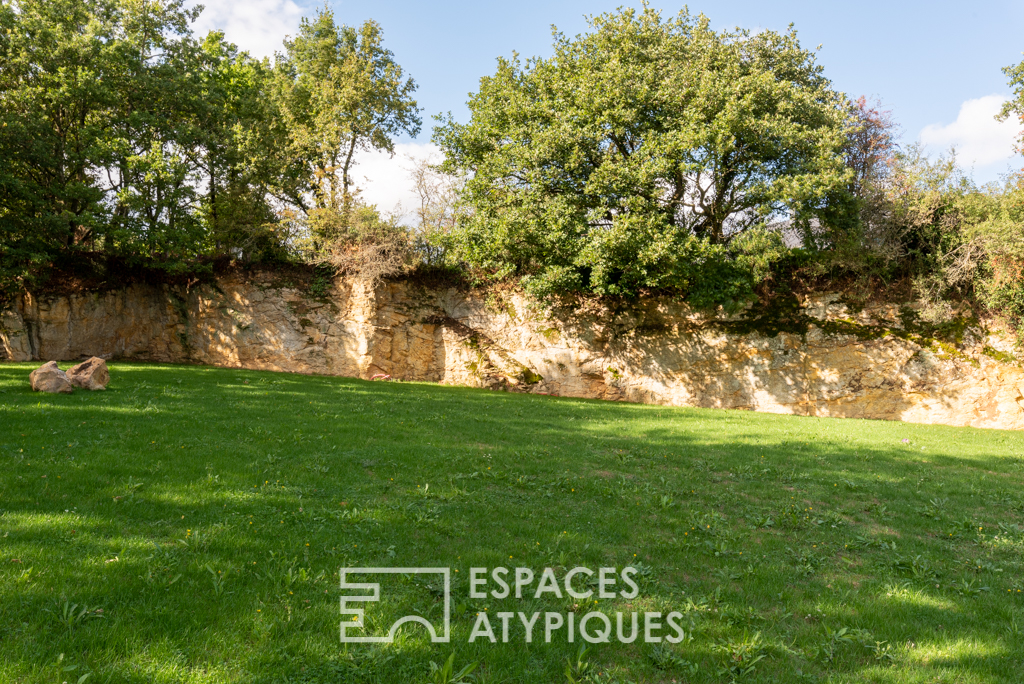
[50,378]
[91,374]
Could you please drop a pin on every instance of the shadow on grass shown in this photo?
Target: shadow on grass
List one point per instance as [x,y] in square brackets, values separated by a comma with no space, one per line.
[176,475]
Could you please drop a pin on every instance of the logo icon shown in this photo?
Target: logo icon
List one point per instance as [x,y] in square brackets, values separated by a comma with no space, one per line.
[352,617]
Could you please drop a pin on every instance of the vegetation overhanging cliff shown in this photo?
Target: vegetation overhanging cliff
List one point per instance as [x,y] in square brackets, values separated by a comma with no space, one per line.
[807,354]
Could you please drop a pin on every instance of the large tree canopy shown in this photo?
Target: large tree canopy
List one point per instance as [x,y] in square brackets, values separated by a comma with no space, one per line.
[88,92]
[122,135]
[341,91]
[641,150]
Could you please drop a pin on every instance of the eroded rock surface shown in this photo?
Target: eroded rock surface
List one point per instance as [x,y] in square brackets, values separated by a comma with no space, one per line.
[91,374]
[840,363]
[50,378]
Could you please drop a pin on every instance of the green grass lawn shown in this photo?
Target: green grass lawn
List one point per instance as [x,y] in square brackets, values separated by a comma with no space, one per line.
[188,525]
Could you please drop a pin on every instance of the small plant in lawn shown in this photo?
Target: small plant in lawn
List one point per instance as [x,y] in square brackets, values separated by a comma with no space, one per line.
[834,639]
[741,655]
[71,615]
[577,668]
[64,671]
[726,574]
[195,541]
[446,674]
[917,567]
[664,658]
[218,578]
[882,652]
[969,587]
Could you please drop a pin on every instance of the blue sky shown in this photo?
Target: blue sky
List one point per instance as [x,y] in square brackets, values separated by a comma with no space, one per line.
[936,65]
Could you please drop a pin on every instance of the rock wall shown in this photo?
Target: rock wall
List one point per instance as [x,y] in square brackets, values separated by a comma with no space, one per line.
[840,363]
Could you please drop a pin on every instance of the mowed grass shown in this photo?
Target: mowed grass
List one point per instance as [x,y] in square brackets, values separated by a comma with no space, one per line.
[188,525]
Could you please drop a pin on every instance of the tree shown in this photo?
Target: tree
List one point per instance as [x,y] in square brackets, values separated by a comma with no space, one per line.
[341,92]
[96,97]
[366,244]
[871,144]
[58,83]
[871,154]
[241,150]
[1015,107]
[1005,242]
[439,210]
[121,134]
[640,151]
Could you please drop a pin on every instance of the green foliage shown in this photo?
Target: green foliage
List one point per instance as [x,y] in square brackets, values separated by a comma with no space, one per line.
[1015,106]
[1004,293]
[446,674]
[366,225]
[71,615]
[925,220]
[112,119]
[634,155]
[364,242]
[125,137]
[577,668]
[340,92]
[958,241]
[242,153]
[999,231]
[647,155]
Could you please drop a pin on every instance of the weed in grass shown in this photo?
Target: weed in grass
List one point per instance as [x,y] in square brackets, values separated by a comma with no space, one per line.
[577,668]
[917,567]
[71,615]
[218,578]
[726,574]
[64,671]
[195,541]
[882,652]
[27,575]
[446,674]
[969,587]
[741,655]
[806,562]
[664,658]
[826,650]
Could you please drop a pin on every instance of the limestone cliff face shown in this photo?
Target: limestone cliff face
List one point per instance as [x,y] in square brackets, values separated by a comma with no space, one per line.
[656,351]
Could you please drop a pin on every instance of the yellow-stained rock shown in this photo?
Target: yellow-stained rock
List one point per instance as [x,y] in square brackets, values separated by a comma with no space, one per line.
[657,351]
[91,374]
[49,378]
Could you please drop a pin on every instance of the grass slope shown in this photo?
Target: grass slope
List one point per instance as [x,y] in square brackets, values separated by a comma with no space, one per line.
[188,525]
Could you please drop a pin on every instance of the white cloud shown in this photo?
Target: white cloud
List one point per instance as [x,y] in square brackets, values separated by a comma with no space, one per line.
[387,181]
[979,139]
[258,26]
